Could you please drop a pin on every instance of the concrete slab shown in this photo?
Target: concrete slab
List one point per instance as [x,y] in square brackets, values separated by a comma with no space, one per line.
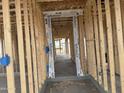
[72,86]
[64,67]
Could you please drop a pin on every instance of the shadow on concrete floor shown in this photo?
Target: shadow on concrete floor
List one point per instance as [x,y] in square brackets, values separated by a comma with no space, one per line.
[64,66]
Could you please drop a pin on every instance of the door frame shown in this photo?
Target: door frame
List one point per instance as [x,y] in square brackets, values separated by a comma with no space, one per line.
[63,13]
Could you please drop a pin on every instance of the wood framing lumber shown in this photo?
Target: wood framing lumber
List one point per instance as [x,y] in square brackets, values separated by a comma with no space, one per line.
[110,46]
[120,41]
[37,29]
[33,41]
[91,34]
[102,45]
[90,42]
[95,20]
[81,43]
[42,40]
[21,47]
[28,47]
[8,46]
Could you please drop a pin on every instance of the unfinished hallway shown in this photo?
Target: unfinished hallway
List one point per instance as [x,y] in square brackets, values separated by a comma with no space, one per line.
[61,46]
[64,66]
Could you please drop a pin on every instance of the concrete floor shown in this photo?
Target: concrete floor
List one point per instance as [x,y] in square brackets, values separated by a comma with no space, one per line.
[64,66]
[117,81]
[3,84]
[72,86]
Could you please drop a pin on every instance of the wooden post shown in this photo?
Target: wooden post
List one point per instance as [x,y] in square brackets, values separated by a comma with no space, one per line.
[2,45]
[95,20]
[90,43]
[28,47]
[21,47]
[35,17]
[38,42]
[117,71]
[81,36]
[8,46]
[42,44]
[72,46]
[102,45]
[1,39]
[66,46]
[33,41]
[86,35]
[120,41]
[122,11]
[44,53]
[85,43]
[110,46]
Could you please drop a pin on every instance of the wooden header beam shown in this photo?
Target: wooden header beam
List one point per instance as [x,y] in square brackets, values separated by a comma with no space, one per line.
[64,13]
[48,0]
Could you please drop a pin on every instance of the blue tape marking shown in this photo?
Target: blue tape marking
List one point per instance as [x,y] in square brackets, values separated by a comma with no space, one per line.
[5,60]
[47,49]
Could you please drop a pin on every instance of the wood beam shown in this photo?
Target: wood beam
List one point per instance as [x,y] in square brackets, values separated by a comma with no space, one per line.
[95,22]
[47,0]
[41,41]
[86,28]
[90,41]
[93,43]
[120,41]
[36,26]
[21,47]
[81,43]
[33,41]
[8,46]
[110,46]
[102,45]
[28,47]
